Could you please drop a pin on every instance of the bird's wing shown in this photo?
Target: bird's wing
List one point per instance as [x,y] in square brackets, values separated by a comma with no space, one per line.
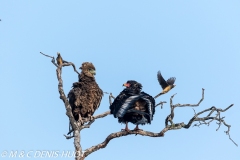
[171,81]
[161,80]
[150,104]
[118,102]
[122,103]
[75,95]
[128,104]
[98,98]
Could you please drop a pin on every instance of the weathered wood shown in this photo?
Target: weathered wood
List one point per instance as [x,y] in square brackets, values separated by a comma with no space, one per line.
[77,127]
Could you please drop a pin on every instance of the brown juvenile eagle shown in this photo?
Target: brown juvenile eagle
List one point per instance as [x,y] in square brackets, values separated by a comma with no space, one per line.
[134,106]
[85,96]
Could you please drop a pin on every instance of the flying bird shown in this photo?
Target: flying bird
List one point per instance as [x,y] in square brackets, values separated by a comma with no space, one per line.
[85,96]
[134,106]
[166,86]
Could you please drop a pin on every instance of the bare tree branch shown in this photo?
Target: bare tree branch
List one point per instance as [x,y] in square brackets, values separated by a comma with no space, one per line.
[160,103]
[47,55]
[102,115]
[85,120]
[218,118]
[190,105]
[71,64]
[171,115]
[110,98]
[94,118]
[117,135]
[63,65]
[90,122]
[159,94]
[167,127]
[77,127]
[87,125]
[53,59]
[74,124]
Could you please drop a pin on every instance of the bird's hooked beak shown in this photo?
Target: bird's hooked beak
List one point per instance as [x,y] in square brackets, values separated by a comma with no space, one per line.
[93,72]
[126,84]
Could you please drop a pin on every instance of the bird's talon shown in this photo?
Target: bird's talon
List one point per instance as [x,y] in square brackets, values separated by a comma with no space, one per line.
[81,121]
[126,130]
[91,118]
[138,129]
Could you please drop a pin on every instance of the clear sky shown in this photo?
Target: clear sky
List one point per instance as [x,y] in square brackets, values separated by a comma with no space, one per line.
[195,41]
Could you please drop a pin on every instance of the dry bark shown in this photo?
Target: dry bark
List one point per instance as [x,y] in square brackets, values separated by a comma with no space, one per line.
[77,127]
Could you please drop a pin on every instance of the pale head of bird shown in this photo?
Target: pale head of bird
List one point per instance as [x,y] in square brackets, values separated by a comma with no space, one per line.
[88,69]
[58,53]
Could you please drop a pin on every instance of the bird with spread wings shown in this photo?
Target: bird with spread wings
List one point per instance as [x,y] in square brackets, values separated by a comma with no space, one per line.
[166,85]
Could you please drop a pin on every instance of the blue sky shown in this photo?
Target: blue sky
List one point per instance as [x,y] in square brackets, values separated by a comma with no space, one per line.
[195,41]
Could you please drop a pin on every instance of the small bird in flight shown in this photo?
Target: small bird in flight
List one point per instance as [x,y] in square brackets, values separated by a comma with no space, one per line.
[166,86]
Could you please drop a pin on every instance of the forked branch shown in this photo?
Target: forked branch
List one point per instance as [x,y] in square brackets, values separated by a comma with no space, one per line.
[77,127]
[74,124]
[63,65]
[172,107]
[167,127]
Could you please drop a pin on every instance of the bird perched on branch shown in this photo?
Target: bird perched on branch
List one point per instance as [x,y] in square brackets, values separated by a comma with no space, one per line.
[85,96]
[59,59]
[166,86]
[134,106]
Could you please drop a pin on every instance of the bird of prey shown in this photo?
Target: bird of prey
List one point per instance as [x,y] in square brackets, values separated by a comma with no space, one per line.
[134,106]
[85,96]
[166,86]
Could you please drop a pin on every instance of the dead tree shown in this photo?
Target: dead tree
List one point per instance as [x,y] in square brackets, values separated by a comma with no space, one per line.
[77,127]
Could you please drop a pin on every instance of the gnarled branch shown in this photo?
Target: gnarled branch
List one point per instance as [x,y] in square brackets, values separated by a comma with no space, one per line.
[176,126]
[77,127]
[68,108]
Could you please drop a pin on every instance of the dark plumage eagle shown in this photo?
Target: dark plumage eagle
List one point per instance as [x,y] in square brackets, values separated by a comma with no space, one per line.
[166,86]
[85,96]
[134,106]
